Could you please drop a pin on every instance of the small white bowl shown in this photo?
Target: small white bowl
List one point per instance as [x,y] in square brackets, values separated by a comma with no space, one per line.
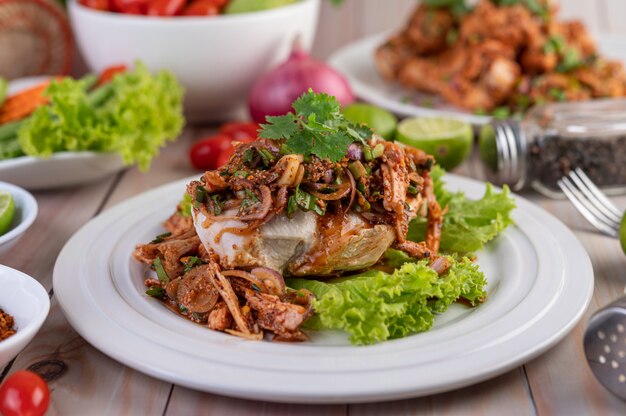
[25,213]
[216,58]
[28,302]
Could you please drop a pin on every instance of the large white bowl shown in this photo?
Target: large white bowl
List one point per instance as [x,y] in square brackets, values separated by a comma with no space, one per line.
[27,301]
[25,213]
[216,58]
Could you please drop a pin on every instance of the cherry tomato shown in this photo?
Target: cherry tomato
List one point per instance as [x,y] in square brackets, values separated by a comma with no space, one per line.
[165,7]
[223,158]
[130,6]
[240,130]
[24,393]
[204,153]
[201,8]
[96,4]
[108,73]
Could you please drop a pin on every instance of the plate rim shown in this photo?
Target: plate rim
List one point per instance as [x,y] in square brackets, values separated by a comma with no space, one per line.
[573,315]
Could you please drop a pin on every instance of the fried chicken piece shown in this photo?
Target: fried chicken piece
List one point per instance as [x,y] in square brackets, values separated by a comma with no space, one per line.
[428,28]
[392,56]
[170,250]
[220,318]
[282,318]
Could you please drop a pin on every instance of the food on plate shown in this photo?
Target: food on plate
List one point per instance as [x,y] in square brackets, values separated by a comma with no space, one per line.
[214,151]
[131,112]
[7,325]
[274,92]
[381,121]
[499,56]
[170,8]
[319,197]
[448,140]
[7,211]
[24,393]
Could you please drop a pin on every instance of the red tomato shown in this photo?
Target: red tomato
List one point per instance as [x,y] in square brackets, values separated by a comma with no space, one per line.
[240,130]
[201,8]
[165,7]
[205,153]
[223,158]
[130,6]
[24,393]
[108,73]
[96,4]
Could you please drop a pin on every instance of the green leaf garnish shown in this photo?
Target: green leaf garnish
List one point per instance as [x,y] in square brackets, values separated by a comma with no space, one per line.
[159,238]
[317,128]
[156,292]
[160,271]
[192,262]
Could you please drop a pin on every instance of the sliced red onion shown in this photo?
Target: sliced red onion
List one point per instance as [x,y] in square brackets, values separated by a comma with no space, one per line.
[355,152]
[272,280]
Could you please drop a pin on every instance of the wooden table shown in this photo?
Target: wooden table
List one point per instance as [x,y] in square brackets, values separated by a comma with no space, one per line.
[84,381]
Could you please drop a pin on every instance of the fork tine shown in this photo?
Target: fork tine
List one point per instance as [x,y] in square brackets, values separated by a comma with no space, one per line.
[584,207]
[592,202]
[612,210]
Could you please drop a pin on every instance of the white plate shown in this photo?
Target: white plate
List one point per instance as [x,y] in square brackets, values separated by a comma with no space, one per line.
[61,169]
[540,282]
[356,62]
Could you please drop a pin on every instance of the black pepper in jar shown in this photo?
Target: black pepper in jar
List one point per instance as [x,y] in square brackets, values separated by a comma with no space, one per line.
[554,139]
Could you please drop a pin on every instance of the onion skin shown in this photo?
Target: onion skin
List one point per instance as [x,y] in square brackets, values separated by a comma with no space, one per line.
[273,94]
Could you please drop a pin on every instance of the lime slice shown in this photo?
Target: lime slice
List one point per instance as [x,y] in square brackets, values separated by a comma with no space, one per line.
[448,140]
[381,121]
[247,6]
[7,211]
[487,147]
[622,233]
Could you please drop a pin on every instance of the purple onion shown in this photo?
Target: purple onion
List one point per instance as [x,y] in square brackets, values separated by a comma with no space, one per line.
[355,152]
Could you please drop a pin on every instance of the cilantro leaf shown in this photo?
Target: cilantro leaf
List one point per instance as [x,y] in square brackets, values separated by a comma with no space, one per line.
[279,127]
[325,107]
[317,128]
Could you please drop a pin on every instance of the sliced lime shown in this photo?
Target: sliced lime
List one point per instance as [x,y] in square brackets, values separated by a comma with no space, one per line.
[247,6]
[381,121]
[448,140]
[7,211]
[622,233]
[487,146]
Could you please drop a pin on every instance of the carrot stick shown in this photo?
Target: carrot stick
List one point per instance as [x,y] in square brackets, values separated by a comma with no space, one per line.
[23,103]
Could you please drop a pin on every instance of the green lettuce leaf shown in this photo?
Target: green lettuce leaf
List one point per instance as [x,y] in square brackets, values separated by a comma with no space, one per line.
[468,224]
[375,305]
[133,115]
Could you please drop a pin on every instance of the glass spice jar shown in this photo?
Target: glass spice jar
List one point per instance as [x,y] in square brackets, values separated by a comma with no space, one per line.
[553,139]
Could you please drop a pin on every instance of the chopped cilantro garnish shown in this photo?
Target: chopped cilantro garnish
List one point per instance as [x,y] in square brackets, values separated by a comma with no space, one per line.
[292,206]
[249,199]
[317,128]
[160,271]
[159,238]
[266,156]
[200,196]
[192,262]
[156,292]
[571,60]
[217,204]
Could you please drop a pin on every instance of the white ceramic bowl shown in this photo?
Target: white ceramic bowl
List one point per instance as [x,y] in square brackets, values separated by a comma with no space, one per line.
[216,58]
[25,214]
[27,301]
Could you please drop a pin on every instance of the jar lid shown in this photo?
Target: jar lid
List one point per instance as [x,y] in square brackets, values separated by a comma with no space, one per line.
[503,147]
[35,39]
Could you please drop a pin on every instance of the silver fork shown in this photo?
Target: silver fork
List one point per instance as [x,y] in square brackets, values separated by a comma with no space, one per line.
[591,202]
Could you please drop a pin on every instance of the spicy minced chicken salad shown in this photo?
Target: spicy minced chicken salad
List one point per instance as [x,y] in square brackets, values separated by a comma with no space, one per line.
[321,224]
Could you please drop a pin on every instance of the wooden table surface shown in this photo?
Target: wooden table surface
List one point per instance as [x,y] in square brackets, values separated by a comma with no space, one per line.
[84,381]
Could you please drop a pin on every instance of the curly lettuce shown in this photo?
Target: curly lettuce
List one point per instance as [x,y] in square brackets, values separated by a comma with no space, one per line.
[134,115]
[374,306]
[467,224]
